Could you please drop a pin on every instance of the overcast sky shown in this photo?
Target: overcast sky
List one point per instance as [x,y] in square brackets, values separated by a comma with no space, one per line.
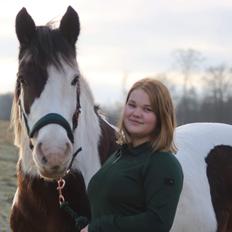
[125,37]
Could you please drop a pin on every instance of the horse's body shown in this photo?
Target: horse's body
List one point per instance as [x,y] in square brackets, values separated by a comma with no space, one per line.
[195,212]
[49,130]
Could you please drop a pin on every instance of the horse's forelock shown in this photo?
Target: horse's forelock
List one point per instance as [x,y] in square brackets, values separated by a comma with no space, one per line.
[47,47]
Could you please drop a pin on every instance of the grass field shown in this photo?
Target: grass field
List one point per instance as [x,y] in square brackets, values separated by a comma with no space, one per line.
[8,159]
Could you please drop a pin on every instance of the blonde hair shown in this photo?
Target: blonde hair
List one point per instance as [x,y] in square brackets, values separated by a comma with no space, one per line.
[162,106]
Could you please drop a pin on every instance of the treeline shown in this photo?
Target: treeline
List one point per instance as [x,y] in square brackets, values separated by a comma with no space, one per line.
[5,106]
[199,94]
[212,102]
[193,108]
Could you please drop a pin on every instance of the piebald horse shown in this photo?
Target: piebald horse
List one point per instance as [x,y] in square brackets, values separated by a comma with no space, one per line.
[62,138]
[57,128]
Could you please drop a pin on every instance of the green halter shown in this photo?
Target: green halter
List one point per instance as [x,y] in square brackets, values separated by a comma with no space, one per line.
[52,118]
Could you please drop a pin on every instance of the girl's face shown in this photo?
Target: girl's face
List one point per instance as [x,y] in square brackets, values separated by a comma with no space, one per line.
[138,117]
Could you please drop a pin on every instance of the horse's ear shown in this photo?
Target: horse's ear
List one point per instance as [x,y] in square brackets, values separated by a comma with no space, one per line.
[70,25]
[25,27]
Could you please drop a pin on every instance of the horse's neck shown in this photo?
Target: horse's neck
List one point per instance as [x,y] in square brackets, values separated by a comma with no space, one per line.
[87,135]
[31,206]
[37,203]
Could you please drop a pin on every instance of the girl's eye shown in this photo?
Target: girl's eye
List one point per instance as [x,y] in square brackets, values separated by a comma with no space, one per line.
[131,105]
[75,80]
[147,109]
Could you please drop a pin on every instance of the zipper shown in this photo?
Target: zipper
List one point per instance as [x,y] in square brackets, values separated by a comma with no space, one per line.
[118,156]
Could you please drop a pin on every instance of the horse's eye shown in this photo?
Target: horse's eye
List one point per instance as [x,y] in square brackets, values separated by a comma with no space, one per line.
[75,80]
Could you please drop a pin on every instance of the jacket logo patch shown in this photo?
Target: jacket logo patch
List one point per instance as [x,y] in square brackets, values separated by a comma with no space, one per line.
[169,181]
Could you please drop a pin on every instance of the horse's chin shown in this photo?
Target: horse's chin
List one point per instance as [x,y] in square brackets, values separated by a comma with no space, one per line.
[52,175]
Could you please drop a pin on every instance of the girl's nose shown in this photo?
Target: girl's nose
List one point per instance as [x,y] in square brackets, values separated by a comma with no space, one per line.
[137,112]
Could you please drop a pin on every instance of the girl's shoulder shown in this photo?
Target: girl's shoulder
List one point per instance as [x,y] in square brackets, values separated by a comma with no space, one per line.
[162,160]
[163,157]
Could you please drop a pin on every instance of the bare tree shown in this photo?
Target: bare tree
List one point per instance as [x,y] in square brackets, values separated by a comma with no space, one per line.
[217,100]
[218,82]
[187,60]
[124,84]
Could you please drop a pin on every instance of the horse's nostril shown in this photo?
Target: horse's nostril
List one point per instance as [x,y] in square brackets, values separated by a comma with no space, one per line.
[56,167]
[44,160]
[39,148]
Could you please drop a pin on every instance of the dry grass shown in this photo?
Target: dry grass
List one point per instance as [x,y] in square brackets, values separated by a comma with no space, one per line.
[8,159]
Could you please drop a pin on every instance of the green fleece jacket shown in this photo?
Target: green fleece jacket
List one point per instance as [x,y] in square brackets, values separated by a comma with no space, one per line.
[137,190]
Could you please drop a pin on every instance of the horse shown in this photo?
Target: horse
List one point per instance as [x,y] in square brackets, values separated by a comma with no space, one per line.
[57,127]
[63,140]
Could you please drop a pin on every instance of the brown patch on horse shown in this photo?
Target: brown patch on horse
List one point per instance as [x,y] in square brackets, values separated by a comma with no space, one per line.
[107,143]
[108,146]
[37,208]
[219,173]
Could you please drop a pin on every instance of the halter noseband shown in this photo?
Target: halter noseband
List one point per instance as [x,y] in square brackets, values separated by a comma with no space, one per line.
[52,118]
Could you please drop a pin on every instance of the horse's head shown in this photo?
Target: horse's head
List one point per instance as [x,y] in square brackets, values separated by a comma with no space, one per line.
[47,93]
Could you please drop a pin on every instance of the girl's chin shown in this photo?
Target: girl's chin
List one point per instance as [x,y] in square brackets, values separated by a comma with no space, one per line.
[135,134]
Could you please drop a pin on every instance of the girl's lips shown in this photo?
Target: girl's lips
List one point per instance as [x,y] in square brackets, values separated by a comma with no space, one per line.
[134,121]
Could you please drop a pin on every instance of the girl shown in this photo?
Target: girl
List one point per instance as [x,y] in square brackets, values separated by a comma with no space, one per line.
[138,188]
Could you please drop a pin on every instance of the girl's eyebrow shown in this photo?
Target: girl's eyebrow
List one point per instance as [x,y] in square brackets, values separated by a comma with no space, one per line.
[130,100]
[133,101]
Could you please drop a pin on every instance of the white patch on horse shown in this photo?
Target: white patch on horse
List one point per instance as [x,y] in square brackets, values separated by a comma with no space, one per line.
[195,211]
[15,199]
